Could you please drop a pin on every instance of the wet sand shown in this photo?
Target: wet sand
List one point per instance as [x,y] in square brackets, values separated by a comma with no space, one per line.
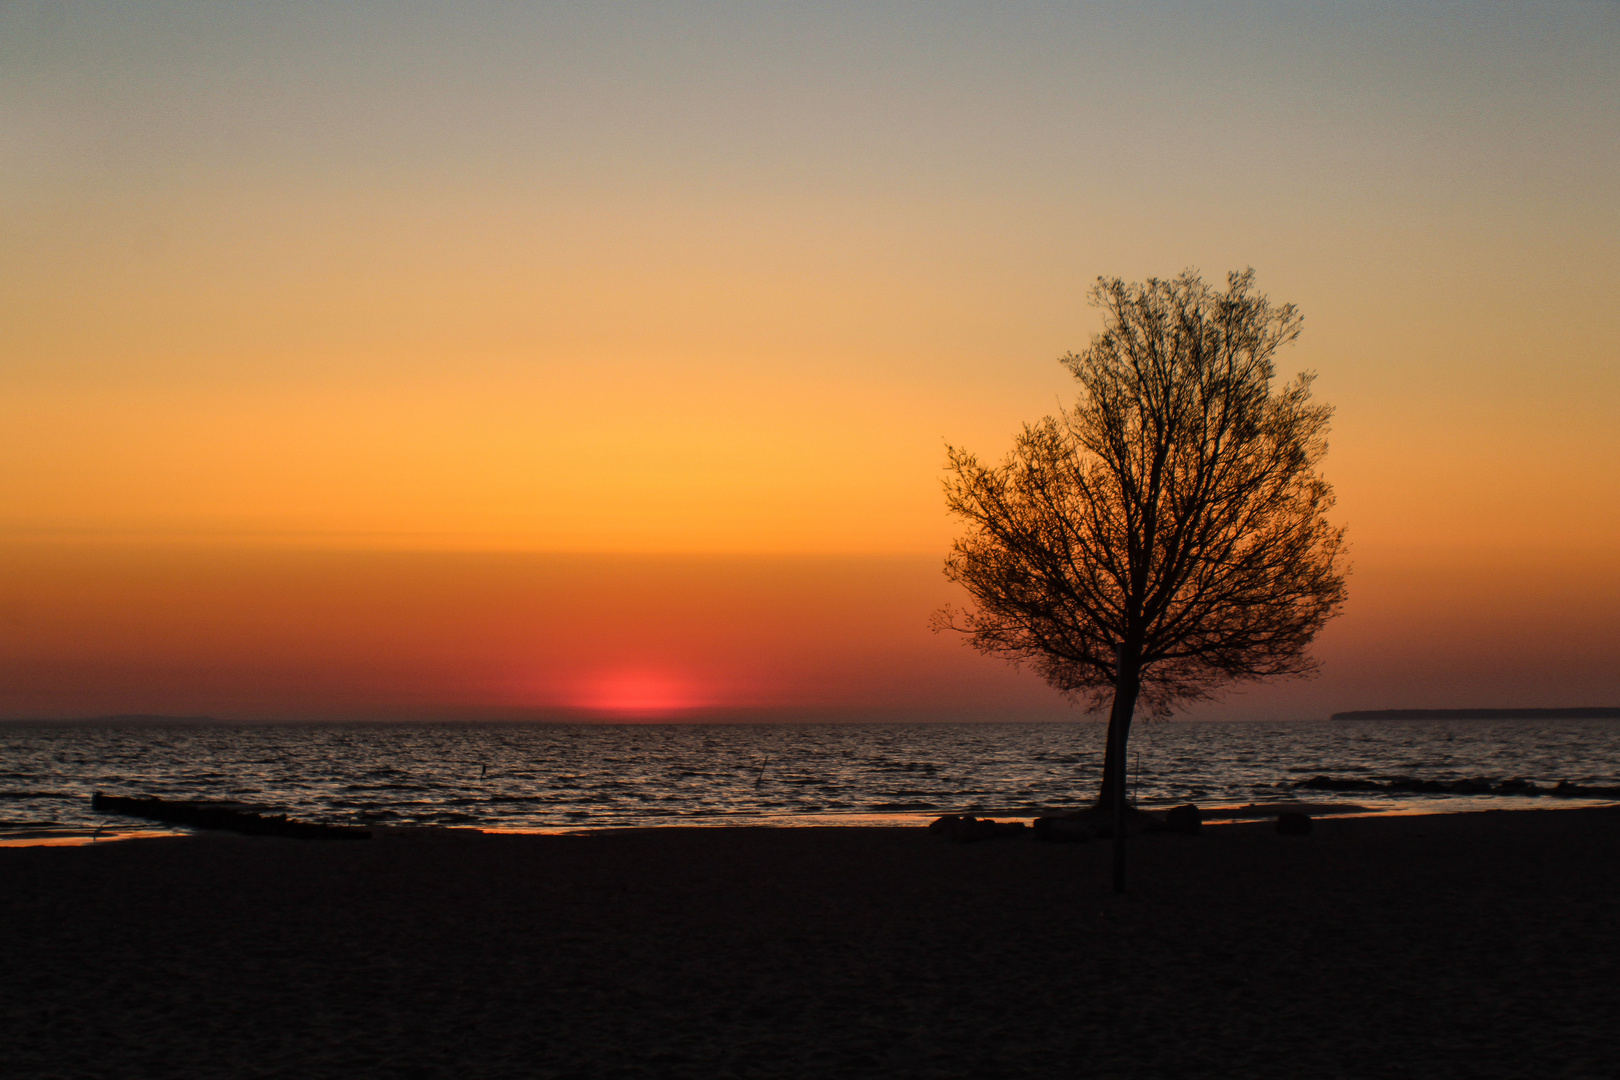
[1479,945]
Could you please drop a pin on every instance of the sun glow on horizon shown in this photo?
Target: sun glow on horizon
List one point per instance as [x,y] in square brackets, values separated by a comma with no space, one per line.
[640,693]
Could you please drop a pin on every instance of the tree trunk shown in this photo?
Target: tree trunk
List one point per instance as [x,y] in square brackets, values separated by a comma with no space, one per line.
[1114,777]
[1119,733]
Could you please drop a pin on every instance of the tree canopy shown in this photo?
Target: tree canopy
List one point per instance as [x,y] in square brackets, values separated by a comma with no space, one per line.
[1167,534]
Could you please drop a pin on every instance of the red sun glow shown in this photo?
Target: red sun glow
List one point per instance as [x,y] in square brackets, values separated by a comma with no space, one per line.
[639,693]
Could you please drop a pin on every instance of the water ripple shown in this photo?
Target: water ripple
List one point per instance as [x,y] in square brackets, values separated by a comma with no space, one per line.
[547,776]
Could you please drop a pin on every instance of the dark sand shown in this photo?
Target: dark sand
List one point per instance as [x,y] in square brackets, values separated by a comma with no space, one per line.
[1480,945]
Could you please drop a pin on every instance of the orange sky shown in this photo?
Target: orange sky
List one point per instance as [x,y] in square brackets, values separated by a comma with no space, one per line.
[286,632]
[470,357]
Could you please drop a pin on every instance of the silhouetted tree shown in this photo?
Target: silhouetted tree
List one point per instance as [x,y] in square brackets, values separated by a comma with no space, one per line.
[1167,534]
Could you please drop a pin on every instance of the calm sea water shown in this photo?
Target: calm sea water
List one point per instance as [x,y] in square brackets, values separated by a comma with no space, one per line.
[550,776]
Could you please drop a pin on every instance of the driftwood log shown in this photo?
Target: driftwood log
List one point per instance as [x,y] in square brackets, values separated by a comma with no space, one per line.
[966,828]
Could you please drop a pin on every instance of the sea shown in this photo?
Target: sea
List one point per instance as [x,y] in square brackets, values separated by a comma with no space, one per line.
[549,777]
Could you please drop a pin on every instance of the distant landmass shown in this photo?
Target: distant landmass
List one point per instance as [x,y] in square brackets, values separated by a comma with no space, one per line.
[1480,714]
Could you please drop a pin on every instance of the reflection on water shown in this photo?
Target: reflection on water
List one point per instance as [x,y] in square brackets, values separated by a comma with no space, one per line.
[547,776]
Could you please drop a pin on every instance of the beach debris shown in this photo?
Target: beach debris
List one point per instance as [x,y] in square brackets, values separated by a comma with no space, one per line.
[1254,811]
[1293,823]
[223,817]
[964,828]
[1095,823]
[1186,819]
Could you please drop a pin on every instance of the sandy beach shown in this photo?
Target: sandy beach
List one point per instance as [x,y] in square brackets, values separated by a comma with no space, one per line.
[1480,945]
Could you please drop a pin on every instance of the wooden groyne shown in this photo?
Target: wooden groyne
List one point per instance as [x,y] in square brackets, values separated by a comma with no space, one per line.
[223,818]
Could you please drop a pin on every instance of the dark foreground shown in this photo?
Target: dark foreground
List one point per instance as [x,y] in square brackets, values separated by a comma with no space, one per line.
[1477,945]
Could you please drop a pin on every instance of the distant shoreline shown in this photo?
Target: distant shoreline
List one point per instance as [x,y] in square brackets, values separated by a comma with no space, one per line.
[1480,714]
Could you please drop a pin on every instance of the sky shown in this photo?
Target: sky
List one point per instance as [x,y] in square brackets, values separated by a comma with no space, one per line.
[386,359]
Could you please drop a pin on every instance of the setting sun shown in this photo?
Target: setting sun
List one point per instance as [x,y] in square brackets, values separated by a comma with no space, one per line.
[640,694]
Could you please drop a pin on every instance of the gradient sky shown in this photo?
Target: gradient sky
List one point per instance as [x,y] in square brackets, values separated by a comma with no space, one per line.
[381,357]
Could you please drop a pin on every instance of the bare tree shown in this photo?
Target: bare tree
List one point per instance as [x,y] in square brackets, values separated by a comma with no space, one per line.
[1168,533]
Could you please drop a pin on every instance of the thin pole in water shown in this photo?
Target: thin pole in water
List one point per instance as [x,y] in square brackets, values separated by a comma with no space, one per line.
[1119,778]
[1119,824]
